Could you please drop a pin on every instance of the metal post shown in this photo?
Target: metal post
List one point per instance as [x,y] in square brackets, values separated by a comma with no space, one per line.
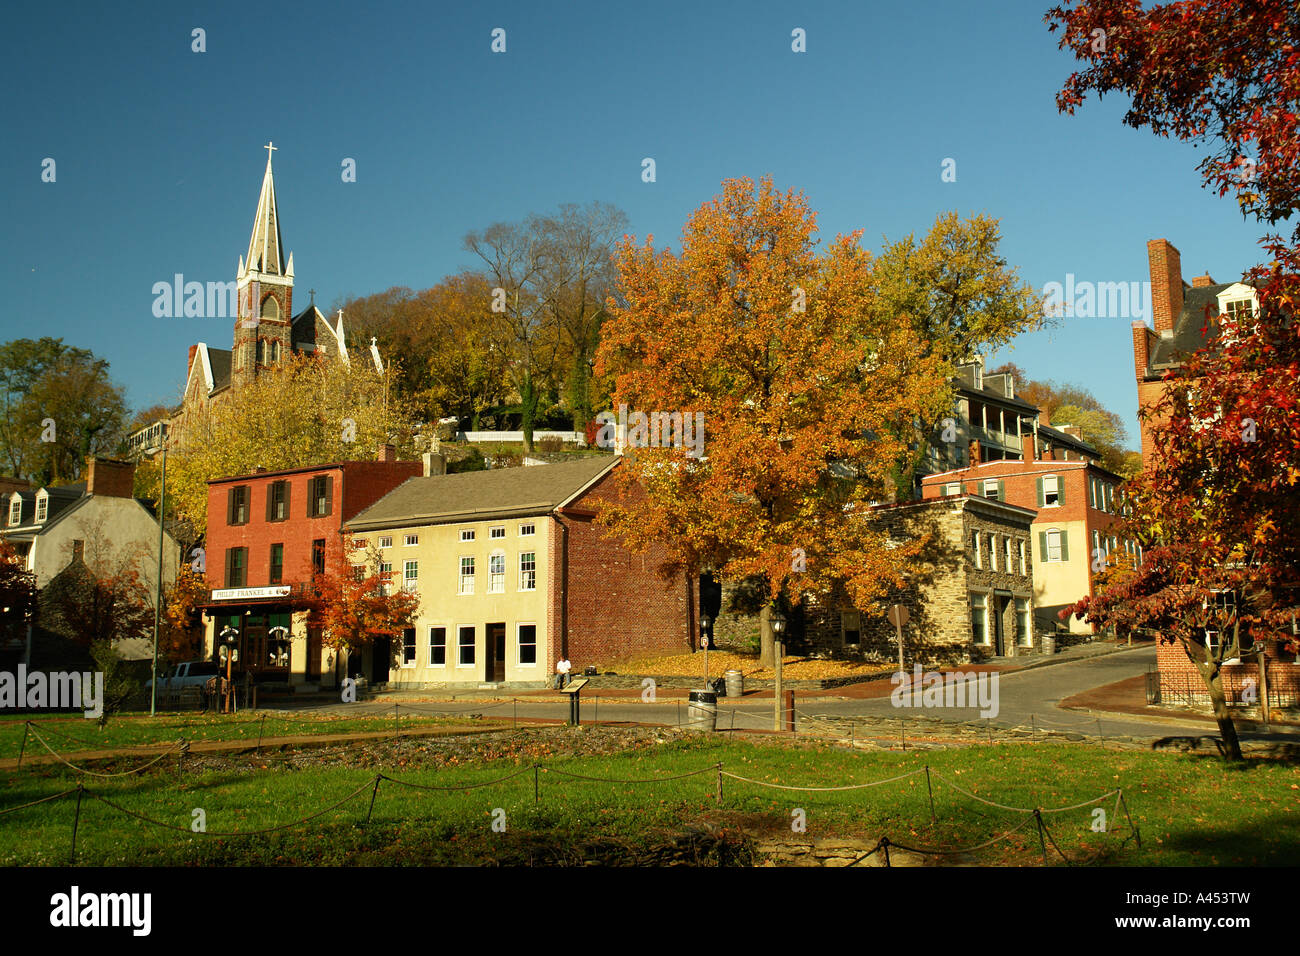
[933,818]
[902,732]
[373,793]
[26,726]
[719,783]
[1038,818]
[1033,725]
[884,845]
[157,607]
[537,786]
[776,693]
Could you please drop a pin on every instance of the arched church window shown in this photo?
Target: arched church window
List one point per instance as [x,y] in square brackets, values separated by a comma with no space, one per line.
[270,308]
[261,351]
[275,352]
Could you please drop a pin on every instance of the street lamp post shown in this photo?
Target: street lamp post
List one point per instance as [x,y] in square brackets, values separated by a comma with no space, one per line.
[157,605]
[228,651]
[777,621]
[705,621]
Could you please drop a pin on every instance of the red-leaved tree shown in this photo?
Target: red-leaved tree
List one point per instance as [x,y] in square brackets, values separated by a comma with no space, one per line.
[1218,508]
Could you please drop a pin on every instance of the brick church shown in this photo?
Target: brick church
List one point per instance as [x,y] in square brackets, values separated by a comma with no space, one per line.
[267,331]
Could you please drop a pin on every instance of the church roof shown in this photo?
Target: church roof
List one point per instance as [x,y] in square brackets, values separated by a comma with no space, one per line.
[265,248]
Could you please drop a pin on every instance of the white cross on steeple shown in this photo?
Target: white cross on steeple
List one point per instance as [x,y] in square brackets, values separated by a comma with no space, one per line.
[269,147]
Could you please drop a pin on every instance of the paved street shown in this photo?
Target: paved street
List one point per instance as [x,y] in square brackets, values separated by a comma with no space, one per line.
[1027,699]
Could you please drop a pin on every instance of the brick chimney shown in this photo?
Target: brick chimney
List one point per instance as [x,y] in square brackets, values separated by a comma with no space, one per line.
[110,478]
[1045,417]
[1029,447]
[387,453]
[1143,340]
[975,453]
[1200,282]
[1166,283]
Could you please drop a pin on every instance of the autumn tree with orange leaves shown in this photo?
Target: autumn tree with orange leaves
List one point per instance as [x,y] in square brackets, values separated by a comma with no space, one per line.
[809,395]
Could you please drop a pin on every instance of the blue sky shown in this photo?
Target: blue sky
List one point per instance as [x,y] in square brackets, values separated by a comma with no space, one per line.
[159,155]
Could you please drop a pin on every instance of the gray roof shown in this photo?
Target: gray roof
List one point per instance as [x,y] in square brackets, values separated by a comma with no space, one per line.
[220,361]
[476,495]
[1200,311]
[1059,437]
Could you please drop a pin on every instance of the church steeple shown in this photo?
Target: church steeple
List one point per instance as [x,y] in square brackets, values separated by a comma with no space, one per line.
[265,249]
[265,283]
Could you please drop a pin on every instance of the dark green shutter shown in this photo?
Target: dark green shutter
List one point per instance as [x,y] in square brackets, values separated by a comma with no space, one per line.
[1002,490]
[230,508]
[287,487]
[329,494]
[1065,545]
[1042,542]
[270,501]
[1060,492]
[227,577]
[1041,500]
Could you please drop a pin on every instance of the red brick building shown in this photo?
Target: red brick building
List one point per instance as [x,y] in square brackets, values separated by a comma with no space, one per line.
[1076,507]
[269,534]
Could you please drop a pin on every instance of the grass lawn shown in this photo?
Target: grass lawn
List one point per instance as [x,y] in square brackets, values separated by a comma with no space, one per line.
[792,668]
[71,734]
[1191,810]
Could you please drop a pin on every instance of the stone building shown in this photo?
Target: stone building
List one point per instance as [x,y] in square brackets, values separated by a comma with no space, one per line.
[970,596]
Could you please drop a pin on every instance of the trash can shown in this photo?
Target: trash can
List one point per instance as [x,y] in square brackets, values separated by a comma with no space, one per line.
[735,683]
[1049,643]
[702,710]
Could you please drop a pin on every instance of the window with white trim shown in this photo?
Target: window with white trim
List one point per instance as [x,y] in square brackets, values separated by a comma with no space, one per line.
[1054,550]
[467,534]
[979,618]
[408,647]
[465,646]
[1051,491]
[497,572]
[437,647]
[411,540]
[411,576]
[528,571]
[497,532]
[15,510]
[1024,632]
[527,644]
[386,541]
[975,548]
[993,553]
[1024,565]
[466,575]
[527,529]
[991,488]
[42,507]
[1006,546]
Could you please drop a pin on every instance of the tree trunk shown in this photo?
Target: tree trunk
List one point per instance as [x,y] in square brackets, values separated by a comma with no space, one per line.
[528,399]
[767,654]
[1210,675]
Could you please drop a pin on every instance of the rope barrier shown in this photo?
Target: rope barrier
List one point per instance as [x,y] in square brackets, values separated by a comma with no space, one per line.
[94,773]
[35,802]
[475,786]
[231,833]
[856,786]
[680,776]
[981,846]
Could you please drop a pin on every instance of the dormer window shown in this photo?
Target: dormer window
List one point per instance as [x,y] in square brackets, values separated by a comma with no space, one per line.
[15,509]
[42,506]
